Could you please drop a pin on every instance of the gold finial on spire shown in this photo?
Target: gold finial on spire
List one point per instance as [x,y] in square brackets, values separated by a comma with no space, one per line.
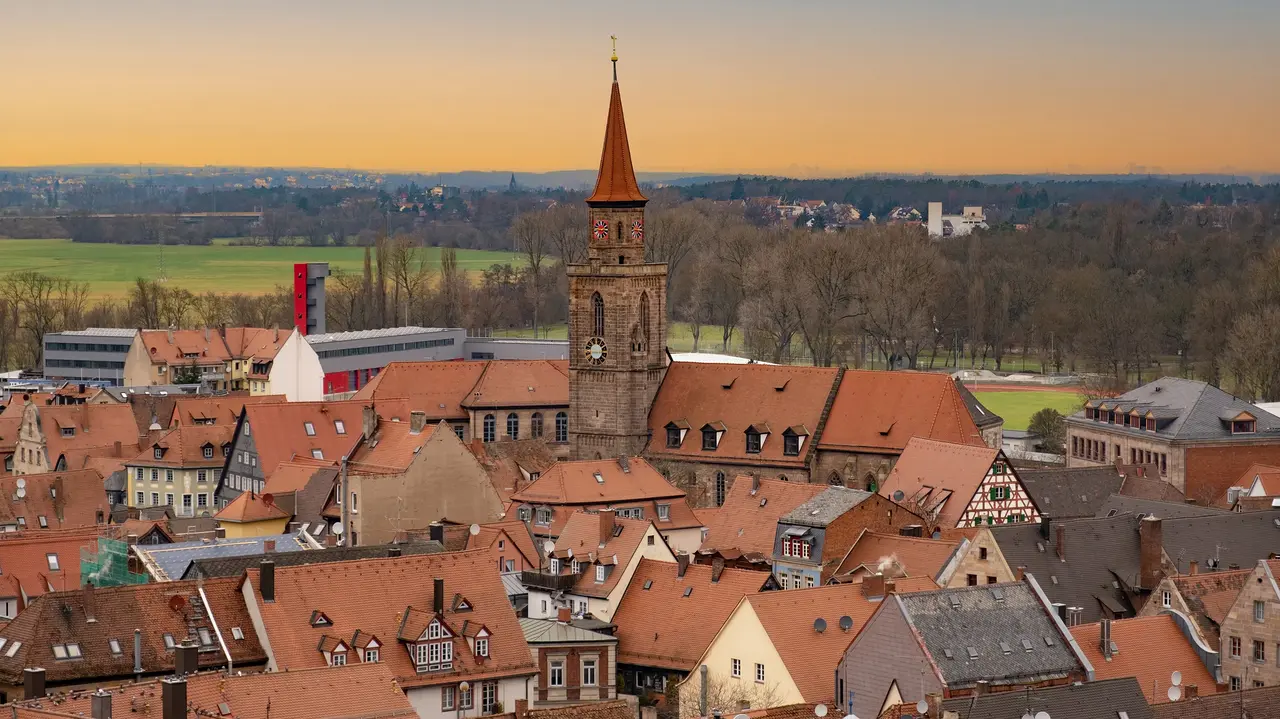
[614,59]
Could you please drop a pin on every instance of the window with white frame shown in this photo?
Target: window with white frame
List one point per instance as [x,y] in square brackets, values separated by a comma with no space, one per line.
[142,499]
[371,655]
[464,697]
[339,659]
[735,667]
[208,452]
[52,560]
[601,571]
[588,672]
[760,673]
[488,697]
[482,647]
[555,674]
[1166,599]
[447,698]
[664,512]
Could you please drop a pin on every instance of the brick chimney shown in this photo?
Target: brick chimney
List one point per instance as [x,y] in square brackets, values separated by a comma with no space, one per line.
[90,604]
[368,420]
[1060,543]
[522,708]
[1190,691]
[1194,567]
[979,690]
[606,526]
[717,568]
[33,683]
[1104,638]
[185,658]
[331,540]
[173,698]
[417,422]
[267,580]
[437,595]
[1021,573]
[1150,551]
[682,564]
[563,615]
[873,586]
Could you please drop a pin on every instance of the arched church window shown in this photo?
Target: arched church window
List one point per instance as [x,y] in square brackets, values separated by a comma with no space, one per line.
[597,309]
[834,480]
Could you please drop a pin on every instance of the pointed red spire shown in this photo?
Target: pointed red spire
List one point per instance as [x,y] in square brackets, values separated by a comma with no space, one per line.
[617,179]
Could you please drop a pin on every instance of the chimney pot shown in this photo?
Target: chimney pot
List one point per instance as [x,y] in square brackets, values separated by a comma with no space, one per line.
[1194,567]
[131,539]
[267,580]
[979,689]
[220,533]
[873,586]
[437,601]
[33,683]
[173,698]
[606,526]
[1022,573]
[417,421]
[101,704]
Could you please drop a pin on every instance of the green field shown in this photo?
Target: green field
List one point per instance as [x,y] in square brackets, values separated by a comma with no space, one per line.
[1017,406]
[111,269]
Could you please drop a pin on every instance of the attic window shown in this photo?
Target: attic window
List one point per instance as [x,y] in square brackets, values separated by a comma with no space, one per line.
[688,591]
[68,431]
[339,426]
[710,438]
[317,454]
[206,639]
[208,451]
[114,646]
[168,641]
[52,559]
[674,437]
[1244,426]
[599,477]
[973,653]
[159,453]
[648,583]
[237,633]
[318,619]
[1026,645]
[753,442]
[44,522]
[310,429]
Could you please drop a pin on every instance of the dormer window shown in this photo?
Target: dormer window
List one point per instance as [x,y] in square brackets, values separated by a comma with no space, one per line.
[674,437]
[482,647]
[601,571]
[664,512]
[753,442]
[791,443]
[1244,426]
[208,451]
[711,434]
[226,451]
[68,431]
[371,655]
[795,547]
[542,516]
[158,453]
[309,428]
[338,659]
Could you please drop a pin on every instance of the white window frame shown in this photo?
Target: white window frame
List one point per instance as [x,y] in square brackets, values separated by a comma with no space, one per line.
[482,647]
[1166,599]
[51,559]
[735,668]
[555,667]
[339,659]
[600,572]
[591,668]
[447,698]
[759,673]
[309,428]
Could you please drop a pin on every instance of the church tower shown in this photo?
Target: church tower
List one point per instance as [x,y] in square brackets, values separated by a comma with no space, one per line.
[617,310]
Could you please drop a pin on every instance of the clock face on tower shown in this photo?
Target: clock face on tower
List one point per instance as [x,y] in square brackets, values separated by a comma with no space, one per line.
[637,230]
[600,230]
[596,351]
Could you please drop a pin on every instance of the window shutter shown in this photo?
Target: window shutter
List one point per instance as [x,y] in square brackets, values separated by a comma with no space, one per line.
[992,493]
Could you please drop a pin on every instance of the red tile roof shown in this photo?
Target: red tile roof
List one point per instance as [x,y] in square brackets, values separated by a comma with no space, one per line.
[219,410]
[659,626]
[881,411]
[616,180]
[24,560]
[437,388]
[184,447]
[580,542]
[569,486]
[390,450]
[521,383]
[915,556]
[811,657]
[280,434]
[376,596]
[92,425]
[928,468]
[734,397]
[747,520]
[368,690]
[65,500]
[251,507]
[1211,594]
[173,608]
[511,530]
[168,347]
[1150,649]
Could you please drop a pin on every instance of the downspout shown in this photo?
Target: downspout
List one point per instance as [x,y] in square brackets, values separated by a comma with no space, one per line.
[343,500]
[216,631]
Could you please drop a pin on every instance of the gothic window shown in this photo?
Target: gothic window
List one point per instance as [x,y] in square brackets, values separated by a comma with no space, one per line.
[869,482]
[834,480]
[562,427]
[720,488]
[513,426]
[490,428]
[644,321]
[597,309]
[535,425]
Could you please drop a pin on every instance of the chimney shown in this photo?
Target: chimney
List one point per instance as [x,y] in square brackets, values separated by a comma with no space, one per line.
[33,683]
[522,708]
[682,564]
[84,418]
[118,449]
[81,388]
[368,420]
[1061,542]
[717,568]
[1150,551]
[393,552]
[101,703]
[173,698]
[755,485]
[606,526]
[979,689]
[137,652]
[702,690]
[1044,528]
[563,615]
[888,587]
[437,600]
[935,705]
[267,580]
[268,546]
[169,335]
[1061,610]
[417,421]
[1194,567]
[435,532]
[873,586]
[1104,638]
[624,462]
[89,603]
[1021,573]
[206,334]
[131,539]
[1190,691]
[220,533]
[186,658]
[331,540]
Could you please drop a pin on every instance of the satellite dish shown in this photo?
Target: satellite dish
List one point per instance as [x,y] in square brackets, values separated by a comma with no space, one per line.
[850,716]
[21,482]
[337,528]
[1027,716]
[820,626]
[22,492]
[475,529]
[741,716]
[846,622]
[821,709]
[177,602]
[1176,679]
[268,498]
[922,706]
[1042,715]
[898,495]
[548,546]
[1175,693]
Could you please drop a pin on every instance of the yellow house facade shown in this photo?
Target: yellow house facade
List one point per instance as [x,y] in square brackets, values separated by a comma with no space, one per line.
[743,666]
[252,515]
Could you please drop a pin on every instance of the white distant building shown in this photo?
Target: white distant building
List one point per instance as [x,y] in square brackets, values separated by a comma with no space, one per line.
[941,225]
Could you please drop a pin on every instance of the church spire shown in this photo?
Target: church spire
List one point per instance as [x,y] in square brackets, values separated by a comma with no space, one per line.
[616,181]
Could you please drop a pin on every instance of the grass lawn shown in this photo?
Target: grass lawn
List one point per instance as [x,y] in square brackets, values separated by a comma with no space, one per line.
[1017,406]
[111,269]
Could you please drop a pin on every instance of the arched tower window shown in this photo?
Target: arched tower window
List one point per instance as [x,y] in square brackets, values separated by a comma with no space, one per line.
[644,320]
[597,310]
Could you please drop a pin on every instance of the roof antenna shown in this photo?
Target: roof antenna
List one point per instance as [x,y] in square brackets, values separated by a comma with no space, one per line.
[614,59]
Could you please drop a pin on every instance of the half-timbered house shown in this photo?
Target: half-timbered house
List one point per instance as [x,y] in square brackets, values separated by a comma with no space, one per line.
[959,485]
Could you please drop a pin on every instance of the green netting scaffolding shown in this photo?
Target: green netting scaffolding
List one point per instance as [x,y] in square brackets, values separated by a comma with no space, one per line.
[109,566]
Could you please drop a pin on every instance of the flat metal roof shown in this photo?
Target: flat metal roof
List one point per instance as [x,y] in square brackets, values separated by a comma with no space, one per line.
[375,334]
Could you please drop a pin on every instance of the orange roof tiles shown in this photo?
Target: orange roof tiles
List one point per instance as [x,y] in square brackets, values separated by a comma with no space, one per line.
[89,425]
[216,410]
[172,347]
[512,530]
[444,390]
[658,626]
[881,411]
[931,467]
[916,556]
[747,520]
[280,430]
[616,180]
[1150,649]
[579,541]
[25,559]
[521,383]
[568,486]
[810,656]
[250,507]
[390,450]
[185,447]
[63,499]
[771,398]
[1211,594]
[346,593]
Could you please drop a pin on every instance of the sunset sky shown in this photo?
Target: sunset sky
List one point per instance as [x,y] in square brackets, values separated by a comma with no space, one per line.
[798,88]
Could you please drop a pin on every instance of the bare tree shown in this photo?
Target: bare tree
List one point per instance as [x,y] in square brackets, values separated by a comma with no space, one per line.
[532,235]
[671,236]
[567,229]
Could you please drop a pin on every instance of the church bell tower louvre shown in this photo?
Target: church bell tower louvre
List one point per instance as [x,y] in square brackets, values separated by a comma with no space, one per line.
[617,310]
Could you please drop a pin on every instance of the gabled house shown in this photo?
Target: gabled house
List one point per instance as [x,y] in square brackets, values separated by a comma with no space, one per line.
[591,564]
[670,613]
[1258,702]
[575,665]
[35,562]
[453,643]
[630,486]
[1150,649]
[1256,489]
[1204,597]
[741,531]
[811,539]
[55,500]
[957,643]
[181,470]
[252,515]
[1248,646]
[61,437]
[959,485]
[215,409]
[896,555]
[256,360]
[512,543]
[779,648]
